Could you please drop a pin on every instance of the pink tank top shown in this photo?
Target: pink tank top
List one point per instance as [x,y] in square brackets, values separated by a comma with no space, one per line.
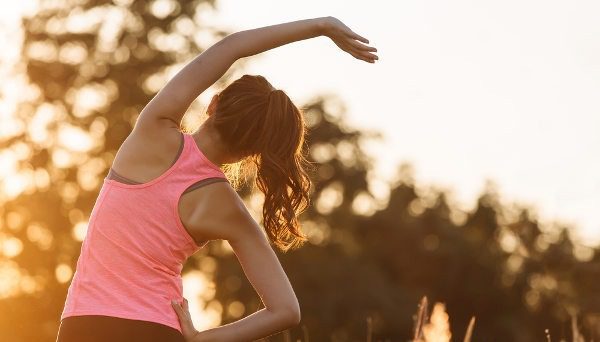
[133,253]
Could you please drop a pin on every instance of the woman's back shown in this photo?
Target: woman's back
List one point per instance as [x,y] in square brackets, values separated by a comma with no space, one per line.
[131,259]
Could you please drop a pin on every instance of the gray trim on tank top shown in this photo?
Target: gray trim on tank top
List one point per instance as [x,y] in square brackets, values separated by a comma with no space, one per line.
[112,174]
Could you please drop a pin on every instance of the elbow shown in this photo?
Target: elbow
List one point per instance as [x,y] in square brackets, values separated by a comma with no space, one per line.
[292,316]
[288,316]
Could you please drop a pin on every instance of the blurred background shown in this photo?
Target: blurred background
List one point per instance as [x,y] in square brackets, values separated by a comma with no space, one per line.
[462,166]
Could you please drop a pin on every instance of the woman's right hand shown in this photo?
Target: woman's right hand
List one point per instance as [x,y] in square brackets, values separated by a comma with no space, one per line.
[348,40]
[190,333]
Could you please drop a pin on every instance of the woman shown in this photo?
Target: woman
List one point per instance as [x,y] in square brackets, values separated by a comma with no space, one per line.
[166,196]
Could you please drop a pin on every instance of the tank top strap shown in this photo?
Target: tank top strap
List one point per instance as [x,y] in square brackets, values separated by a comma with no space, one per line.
[192,167]
[196,152]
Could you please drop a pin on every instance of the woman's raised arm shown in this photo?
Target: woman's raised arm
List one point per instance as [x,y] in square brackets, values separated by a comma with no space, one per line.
[172,101]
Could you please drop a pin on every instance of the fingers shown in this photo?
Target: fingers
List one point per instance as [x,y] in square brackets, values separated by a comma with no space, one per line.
[181,310]
[361,47]
[367,54]
[372,56]
[359,37]
[360,54]
[348,41]
[177,309]
[185,320]
[356,48]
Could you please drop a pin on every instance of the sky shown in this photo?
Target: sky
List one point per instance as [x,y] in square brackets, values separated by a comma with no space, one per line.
[465,91]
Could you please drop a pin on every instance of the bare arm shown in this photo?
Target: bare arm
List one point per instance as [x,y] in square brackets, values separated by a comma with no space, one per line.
[172,101]
[230,220]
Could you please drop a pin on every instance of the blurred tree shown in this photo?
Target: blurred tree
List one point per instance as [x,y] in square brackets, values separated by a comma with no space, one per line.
[494,262]
[92,66]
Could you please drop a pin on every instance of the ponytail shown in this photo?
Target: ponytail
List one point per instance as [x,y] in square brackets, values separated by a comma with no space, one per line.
[263,126]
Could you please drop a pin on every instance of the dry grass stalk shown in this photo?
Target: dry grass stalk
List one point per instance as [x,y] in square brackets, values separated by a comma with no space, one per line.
[287,337]
[436,328]
[469,332]
[305,332]
[577,336]
[420,319]
[369,329]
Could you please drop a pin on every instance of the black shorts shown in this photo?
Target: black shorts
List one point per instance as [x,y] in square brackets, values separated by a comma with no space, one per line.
[97,328]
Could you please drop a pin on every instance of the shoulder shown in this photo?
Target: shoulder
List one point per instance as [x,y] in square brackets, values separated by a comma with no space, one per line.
[148,149]
[160,136]
[148,127]
[225,215]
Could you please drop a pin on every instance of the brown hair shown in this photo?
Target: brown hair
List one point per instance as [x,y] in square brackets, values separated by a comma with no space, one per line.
[263,127]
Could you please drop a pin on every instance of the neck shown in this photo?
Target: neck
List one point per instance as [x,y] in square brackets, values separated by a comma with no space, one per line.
[210,143]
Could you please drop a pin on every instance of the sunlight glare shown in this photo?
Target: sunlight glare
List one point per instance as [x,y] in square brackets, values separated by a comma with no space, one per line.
[162,8]
[207,264]
[15,184]
[74,138]
[8,163]
[29,284]
[112,24]
[322,152]
[363,204]
[41,178]
[90,172]
[236,309]
[88,98]
[40,235]
[330,198]
[12,247]
[14,220]
[583,253]
[317,233]
[63,273]
[438,330]
[38,125]
[46,51]
[346,152]
[195,283]
[69,191]
[72,53]
[61,158]
[10,274]
[162,41]
[79,230]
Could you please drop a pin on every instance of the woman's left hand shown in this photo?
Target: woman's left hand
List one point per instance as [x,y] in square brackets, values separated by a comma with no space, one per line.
[185,320]
[348,40]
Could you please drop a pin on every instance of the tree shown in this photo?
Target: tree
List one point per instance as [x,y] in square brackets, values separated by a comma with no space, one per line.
[92,66]
[379,263]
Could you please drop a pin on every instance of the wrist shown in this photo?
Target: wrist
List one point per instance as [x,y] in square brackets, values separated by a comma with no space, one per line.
[322,25]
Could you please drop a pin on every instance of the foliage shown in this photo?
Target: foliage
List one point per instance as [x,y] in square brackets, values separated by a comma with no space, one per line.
[496,262]
[91,67]
[367,257]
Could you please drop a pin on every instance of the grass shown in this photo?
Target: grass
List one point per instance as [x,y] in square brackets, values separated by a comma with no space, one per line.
[436,328]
